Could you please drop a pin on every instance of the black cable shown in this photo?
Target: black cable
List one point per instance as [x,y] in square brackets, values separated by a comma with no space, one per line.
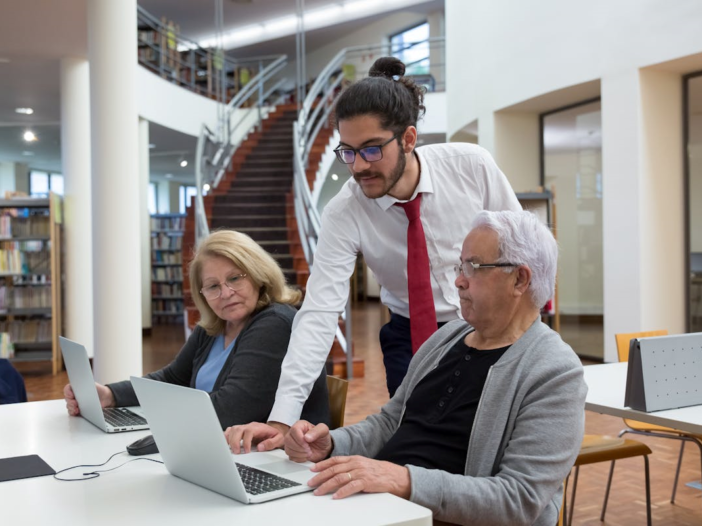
[96,473]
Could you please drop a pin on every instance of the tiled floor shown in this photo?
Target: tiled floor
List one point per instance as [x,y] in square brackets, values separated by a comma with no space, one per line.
[368,394]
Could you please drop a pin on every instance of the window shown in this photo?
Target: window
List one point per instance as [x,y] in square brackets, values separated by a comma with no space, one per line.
[186,193]
[41,183]
[412,48]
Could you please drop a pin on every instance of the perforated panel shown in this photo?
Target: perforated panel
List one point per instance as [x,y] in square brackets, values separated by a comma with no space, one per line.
[672,371]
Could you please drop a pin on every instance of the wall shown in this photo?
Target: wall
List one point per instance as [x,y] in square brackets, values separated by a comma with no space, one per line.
[157,98]
[505,53]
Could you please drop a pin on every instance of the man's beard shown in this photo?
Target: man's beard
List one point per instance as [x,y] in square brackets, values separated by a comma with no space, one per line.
[390,181]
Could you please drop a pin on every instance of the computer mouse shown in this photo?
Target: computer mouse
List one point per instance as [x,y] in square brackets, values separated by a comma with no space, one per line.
[143,446]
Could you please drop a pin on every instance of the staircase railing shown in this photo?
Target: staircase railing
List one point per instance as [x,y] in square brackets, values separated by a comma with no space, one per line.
[314,114]
[215,150]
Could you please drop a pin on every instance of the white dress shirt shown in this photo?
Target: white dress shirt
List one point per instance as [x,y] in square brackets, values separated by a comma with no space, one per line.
[458,180]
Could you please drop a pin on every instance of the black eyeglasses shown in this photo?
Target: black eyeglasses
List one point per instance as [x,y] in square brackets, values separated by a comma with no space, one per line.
[370,154]
[468,268]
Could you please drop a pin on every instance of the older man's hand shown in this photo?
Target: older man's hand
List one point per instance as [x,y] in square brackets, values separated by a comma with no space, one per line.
[348,475]
[267,436]
[307,442]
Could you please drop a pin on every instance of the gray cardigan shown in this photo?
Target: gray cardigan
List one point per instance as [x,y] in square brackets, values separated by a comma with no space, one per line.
[245,387]
[526,435]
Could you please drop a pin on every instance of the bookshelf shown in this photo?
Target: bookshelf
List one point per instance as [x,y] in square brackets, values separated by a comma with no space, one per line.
[30,279]
[167,268]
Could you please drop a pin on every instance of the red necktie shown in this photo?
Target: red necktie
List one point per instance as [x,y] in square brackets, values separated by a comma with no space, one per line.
[421,300]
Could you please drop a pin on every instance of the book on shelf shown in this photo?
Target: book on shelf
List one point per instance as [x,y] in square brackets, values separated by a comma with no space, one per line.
[7,350]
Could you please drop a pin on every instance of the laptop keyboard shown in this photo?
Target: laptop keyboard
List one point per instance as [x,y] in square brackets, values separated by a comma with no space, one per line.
[122,417]
[258,482]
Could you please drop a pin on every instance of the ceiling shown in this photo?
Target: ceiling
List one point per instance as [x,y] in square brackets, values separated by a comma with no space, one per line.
[30,67]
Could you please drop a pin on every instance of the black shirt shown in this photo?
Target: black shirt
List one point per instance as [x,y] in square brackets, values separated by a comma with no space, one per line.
[435,429]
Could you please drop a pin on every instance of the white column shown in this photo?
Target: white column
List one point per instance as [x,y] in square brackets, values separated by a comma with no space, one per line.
[75,159]
[513,140]
[112,50]
[642,177]
[145,224]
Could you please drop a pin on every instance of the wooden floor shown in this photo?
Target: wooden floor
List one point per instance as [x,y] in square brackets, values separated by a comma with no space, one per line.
[368,394]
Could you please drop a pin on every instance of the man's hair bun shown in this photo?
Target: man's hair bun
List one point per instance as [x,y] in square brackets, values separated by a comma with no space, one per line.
[387,67]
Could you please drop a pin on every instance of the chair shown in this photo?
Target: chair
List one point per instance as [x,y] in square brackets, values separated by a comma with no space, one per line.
[642,428]
[599,448]
[337,400]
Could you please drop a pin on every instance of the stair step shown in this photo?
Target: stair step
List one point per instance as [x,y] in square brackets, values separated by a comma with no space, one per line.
[264,169]
[250,198]
[250,209]
[264,155]
[238,222]
[275,247]
[249,190]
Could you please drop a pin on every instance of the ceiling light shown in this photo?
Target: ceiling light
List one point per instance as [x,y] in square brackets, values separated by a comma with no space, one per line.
[169,176]
[4,60]
[205,187]
[335,177]
[29,136]
[183,163]
[25,111]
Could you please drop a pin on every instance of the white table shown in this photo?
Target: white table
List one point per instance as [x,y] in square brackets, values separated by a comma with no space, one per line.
[144,492]
[606,387]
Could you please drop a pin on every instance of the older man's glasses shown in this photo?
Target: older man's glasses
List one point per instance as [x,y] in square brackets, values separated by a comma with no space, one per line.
[467,268]
[370,154]
[214,290]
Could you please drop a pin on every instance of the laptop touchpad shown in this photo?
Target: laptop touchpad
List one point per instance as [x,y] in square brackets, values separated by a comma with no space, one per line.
[285,467]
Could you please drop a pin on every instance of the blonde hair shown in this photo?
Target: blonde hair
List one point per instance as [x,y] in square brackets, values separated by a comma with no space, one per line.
[259,266]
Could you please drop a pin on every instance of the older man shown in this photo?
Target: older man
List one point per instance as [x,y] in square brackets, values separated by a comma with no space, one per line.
[489,419]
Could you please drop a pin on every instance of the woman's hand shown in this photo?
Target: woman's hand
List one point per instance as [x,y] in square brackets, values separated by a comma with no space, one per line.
[107,398]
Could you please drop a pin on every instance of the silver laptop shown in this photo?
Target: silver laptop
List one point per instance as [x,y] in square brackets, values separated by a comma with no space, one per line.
[191,442]
[110,420]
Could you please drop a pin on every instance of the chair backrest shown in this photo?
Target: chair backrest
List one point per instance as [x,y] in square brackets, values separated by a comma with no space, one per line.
[337,400]
[623,340]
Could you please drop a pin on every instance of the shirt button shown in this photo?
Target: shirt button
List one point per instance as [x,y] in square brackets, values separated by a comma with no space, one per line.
[457,373]
[441,403]
[450,389]
[467,357]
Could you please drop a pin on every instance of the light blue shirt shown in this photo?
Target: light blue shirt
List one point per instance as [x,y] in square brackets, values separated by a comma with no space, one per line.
[208,373]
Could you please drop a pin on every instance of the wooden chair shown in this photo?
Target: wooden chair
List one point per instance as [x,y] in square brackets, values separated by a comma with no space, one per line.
[598,448]
[337,400]
[642,428]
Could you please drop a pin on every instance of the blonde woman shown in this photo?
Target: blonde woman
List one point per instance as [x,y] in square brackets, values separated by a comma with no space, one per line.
[236,351]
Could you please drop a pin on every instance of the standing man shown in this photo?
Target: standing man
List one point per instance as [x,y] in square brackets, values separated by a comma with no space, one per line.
[407,211]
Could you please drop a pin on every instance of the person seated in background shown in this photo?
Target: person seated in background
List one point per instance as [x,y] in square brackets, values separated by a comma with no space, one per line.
[236,351]
[489,419]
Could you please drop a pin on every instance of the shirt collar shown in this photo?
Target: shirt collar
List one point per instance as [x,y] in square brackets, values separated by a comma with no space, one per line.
[424,186]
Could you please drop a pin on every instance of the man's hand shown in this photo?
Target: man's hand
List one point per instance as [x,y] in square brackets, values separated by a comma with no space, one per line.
[306,441]
[267,436]
[349,475]
[105,395]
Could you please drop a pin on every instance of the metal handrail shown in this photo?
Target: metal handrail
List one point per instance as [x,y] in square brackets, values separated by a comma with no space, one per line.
[314,114]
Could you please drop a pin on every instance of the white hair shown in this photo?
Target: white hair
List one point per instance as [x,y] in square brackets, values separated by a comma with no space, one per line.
[524,240]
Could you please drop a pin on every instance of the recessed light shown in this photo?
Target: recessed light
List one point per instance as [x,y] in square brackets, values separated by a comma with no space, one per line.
[152,146]
[29,136]
[169,176]
[205,187]
[27,153]
[335,177]
[183,163]
[25,111]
